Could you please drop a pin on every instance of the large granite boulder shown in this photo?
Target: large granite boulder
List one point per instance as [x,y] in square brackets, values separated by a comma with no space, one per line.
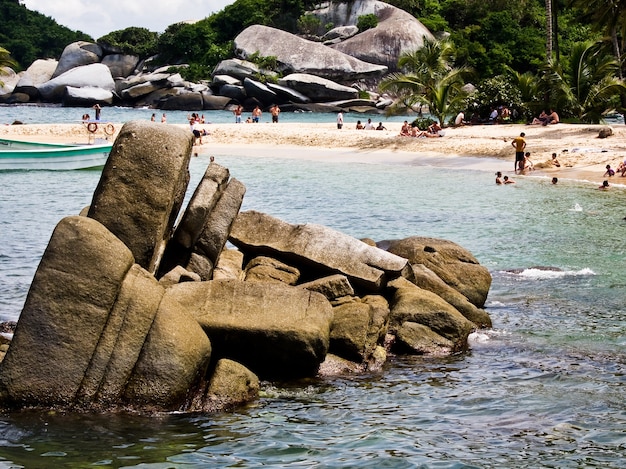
[397,31]
[205,226]
[86,96]
[8,80]
[94,75]
[231,384]
[413,304]
[121,65]
[417,339]
[238,69]
[260,91]
[428,280]
[455,265]
[39,72]
[318,250]
[211,102]
[96,331]
[358,327]
[317,88]
[297,55]
[78,54]
[187,101]
[273,329]
[142,187]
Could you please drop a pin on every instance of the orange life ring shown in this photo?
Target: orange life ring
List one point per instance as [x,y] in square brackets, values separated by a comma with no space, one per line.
[109,129]
[92,127]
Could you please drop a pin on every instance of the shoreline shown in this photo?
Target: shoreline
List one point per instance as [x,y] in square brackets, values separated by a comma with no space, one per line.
[583,156]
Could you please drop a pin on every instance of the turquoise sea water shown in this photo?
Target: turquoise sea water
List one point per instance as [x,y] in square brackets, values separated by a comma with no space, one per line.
[544,388]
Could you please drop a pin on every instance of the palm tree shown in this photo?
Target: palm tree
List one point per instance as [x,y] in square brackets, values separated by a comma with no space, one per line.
[428,79]
[5,61]
[609,17]
[590,86]
[549,31]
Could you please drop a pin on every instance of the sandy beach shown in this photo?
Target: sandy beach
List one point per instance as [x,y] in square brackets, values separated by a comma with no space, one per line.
[581,153]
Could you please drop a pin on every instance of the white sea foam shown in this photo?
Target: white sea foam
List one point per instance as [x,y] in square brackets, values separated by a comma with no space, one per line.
[540,274]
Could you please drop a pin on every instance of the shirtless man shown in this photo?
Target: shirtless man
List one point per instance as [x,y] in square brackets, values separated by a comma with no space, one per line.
[519,143]
[275,111]
[553,118]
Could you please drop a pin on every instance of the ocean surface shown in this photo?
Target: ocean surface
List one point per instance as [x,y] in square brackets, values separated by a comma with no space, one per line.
[546,387]
[55,114]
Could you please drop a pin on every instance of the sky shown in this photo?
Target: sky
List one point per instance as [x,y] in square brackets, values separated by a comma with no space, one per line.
[100,17]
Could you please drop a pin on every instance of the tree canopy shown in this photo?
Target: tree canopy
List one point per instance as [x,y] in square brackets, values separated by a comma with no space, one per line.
[29,35]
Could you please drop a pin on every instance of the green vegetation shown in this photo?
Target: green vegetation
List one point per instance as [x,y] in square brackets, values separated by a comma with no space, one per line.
[309,25]
[365,22]
[133,41]
[5,61]
[430,80]
[29,35]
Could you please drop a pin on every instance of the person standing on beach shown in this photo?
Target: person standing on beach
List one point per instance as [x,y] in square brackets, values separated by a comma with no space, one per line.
[339,120]
[237,112]
[275,111]
[519,143]
[256,114]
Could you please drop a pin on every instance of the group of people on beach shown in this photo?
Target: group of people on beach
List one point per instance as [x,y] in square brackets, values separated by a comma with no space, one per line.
[163,118]
[433,130]
[194,124]
[544,119]
[255,116]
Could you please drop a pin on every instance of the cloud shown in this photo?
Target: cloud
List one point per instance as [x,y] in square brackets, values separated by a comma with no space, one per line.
[98,18]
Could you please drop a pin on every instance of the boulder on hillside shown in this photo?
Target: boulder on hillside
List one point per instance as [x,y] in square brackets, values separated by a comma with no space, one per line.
[94,75]
[187,101]
[286,94]
[8,80]
[317,88]
[86,96]
[39,72]
[78,54]
[273,329]
[120,65]
[297,55]
[211,102]
[260,91]
[340,32]
[318,250]
[141,210]
[235,68]
[455,265]
[397,31]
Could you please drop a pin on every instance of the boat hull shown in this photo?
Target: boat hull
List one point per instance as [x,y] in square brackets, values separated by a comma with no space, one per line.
[16,155]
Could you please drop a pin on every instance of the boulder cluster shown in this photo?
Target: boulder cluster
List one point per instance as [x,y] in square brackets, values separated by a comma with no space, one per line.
[139,304]
[323,75]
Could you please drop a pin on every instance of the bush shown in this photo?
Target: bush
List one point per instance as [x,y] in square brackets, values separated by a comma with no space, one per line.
[365,22]
[423,123]
[309,24]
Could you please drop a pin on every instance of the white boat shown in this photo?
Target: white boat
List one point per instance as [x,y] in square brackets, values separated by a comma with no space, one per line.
[20,155]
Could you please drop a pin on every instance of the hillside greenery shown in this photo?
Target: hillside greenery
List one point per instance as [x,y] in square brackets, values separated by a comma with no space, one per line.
[29,35]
